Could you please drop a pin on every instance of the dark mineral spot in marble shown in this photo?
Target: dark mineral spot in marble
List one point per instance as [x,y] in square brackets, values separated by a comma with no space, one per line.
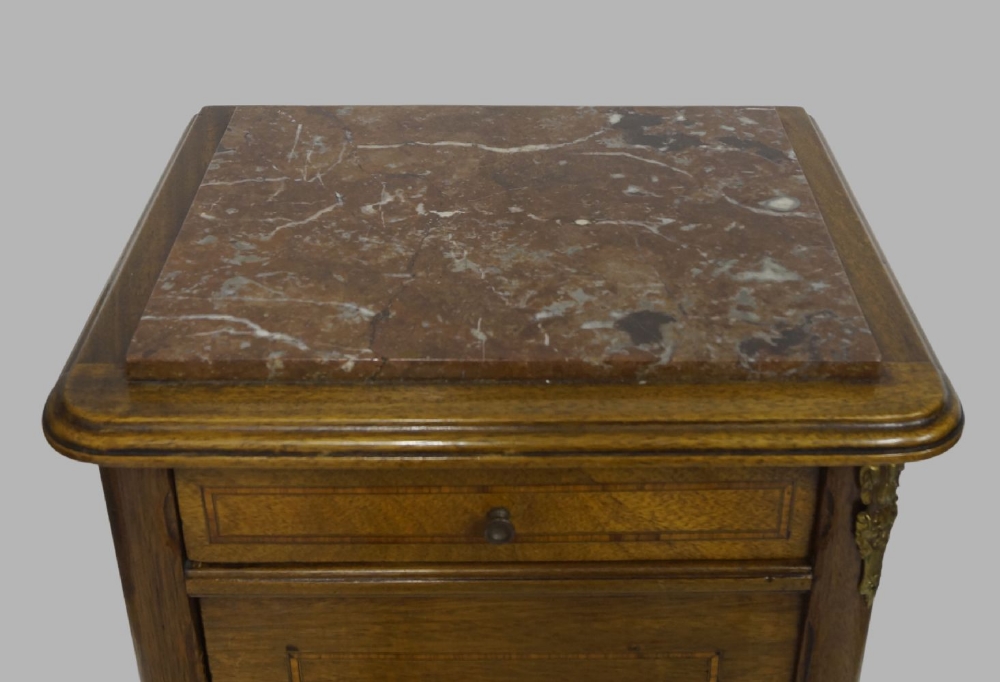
[672,142]
[759,148]
[635,121]
[784,342]
[643,326]
[633,127]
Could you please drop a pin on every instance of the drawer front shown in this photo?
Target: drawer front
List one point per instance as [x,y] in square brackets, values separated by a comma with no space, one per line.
[319,516]
[674,637]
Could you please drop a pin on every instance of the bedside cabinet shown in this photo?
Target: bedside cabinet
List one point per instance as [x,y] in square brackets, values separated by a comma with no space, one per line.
[501,393]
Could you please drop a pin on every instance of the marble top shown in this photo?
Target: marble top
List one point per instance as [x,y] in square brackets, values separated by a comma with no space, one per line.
[536,243]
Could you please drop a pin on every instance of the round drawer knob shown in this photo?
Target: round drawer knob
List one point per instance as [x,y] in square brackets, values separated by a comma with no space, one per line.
[499,529]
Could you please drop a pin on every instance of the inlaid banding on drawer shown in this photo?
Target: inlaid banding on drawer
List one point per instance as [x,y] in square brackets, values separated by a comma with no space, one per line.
[682,666]
[437,516]
[348,515]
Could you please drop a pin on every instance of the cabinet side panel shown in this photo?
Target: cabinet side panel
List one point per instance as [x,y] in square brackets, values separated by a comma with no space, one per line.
[833,641]
[165,624]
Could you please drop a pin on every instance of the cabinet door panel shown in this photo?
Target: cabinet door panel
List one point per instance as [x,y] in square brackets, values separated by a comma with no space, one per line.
[672,637]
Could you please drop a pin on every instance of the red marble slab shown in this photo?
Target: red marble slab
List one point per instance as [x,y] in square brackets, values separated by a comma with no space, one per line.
[533,243]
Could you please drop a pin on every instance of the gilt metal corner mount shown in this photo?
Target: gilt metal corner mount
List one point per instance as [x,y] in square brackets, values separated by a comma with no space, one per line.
[874,523]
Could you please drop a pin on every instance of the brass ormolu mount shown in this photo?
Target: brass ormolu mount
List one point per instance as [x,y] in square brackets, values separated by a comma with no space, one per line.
[871,531]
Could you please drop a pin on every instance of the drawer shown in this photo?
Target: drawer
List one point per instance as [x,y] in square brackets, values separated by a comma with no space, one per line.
[236,516]
[596,634]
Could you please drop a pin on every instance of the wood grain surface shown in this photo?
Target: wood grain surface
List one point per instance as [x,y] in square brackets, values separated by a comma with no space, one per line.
[576,515]
[738,637]
[833,640]
[523,578]
[166,628]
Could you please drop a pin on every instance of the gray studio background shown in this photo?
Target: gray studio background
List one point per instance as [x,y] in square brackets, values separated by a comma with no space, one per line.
[95,95]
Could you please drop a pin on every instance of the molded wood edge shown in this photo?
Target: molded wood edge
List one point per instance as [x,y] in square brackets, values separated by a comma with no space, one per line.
[588,577]
[572,446]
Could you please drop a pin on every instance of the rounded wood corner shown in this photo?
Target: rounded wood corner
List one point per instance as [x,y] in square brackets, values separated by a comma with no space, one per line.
[62,429]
